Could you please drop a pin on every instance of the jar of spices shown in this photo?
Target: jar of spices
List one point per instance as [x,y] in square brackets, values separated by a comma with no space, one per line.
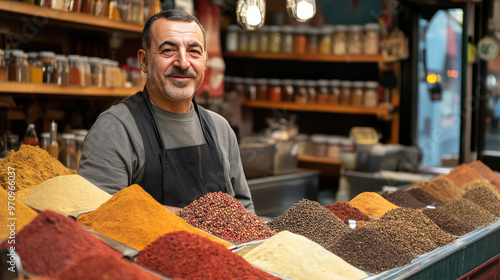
[232,38]
[79,138]
[4,69]
[36,68]
[239,87]
[62,65]
[333,150]
[339,40]
[242,41]
[287,39]
[371,94]
[357,93]
[311,91]
[372,38]
[320,145]
[75,70]
[253,43]
[300,39]
[312,40]
[74,6]
[300,92]
[49,66]
[274,39]
[261,88]
[135,76]
[303,140]
[274,90]
[67,155]
[325,42]
[85,71]
[45,140]
[136,14]
[333,98]
[96,73]
[287,90]
[18,66]
[263,38]
[323,92]
[45,3]
[355,40]
[117,79]
[87,6]
[251,88]
[345,93]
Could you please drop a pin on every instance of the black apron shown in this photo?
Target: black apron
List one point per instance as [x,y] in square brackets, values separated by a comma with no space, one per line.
[177,177]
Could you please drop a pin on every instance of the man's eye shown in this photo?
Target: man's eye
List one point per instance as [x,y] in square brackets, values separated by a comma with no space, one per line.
[166,50]
[195,51]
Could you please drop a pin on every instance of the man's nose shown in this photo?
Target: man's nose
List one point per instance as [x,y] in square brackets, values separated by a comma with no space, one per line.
[182,60]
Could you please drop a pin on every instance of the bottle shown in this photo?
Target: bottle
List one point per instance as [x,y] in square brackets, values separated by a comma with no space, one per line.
[30,137]
[49,66]
[36,68]
[75,70]
[232,38]
[68,156]
[62,66]
[53,147]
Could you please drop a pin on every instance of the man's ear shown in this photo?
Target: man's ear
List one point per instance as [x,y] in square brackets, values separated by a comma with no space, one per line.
[143,60]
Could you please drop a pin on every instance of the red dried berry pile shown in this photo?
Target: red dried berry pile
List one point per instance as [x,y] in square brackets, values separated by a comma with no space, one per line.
[344,211]
[224,216]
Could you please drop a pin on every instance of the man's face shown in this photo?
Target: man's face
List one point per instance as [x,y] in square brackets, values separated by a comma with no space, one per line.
[176,60]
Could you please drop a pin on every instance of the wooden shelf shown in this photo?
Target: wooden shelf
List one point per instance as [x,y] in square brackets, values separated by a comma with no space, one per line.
[309,57]
[323,160]
[82,21]
[50,89]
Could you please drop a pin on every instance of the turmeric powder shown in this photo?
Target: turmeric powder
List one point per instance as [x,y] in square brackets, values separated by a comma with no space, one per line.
[23,213]
[372,204]
[135,218]
[32,166]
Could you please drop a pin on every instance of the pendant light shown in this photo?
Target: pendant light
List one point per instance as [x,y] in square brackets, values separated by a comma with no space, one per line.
[251,14]
[301,10]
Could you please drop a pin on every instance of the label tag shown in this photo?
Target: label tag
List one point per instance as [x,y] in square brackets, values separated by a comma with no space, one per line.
[395,48]
[352,223]
[487,48]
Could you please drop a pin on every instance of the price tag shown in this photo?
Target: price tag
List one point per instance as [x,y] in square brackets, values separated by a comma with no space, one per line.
[487,48]
[352,223]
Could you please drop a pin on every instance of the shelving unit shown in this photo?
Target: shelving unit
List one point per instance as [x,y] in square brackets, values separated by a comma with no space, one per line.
[308,57]
[50,89]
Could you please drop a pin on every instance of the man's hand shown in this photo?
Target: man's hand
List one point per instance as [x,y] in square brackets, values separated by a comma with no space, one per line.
[173,209]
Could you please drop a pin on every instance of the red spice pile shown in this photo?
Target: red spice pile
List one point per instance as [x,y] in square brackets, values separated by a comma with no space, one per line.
[344,211]
[52,241]
[224,216]
[184,255]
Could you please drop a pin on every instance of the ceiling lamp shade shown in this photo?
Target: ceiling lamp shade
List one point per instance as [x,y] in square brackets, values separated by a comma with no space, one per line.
[301,10]
[251,14]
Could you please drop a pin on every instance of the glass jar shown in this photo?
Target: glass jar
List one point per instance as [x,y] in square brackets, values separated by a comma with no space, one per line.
[274,90]
[75,70]
[357,93]
[371,98]
[74,6]
[62,65]
[300,39]
[372,38]
[333,150]
[250,88]
[319,142]
[87,6]
[4,68]
[303,140]
[60,5]
[49,66]
[345,93]
[261,88]
[135,76]
[333,98]
[355,40]
[18,67]
[239,87]
[30,137]
[300,92]
[45,3]
[263,38]
[36,68]
[287,90]
[323,92]
[45,140]
[287,39]
[312,40]
[253,43]
[242,41]
[67,155]
[117,79]
[52,146]
[274,39]
[325,41]
[111,10]
[136,14]
[339,41]
[96,73]
[311,91]
[125,70]
[85,74]
[232,38]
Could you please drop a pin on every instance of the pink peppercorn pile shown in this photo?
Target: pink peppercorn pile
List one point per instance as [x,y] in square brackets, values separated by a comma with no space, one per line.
[224,216]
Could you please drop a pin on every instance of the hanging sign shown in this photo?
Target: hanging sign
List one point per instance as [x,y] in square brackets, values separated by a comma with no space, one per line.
[395,47]
[487,48]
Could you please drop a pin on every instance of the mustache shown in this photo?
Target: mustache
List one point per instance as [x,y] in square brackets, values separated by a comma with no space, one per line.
[182,72]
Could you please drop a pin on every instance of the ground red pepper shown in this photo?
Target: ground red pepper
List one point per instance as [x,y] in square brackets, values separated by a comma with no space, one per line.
[344,211]
[52,241]
[184,255]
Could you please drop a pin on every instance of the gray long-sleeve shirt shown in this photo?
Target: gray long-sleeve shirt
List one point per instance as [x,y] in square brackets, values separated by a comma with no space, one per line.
[113,153]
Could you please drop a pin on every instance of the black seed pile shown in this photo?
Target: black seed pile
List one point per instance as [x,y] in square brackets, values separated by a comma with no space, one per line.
[423,224]
[405,235]
[447,222]
[404,199]
[366,249]
[468,212]
[484,197]
[423,196]
[310,219]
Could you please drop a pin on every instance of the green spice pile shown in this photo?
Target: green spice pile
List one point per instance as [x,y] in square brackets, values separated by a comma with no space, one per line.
[447,222]
[403,198]
[423,224]
[344,211]
[405,235]
[484,197]
[366,249]
[312,220]
[224,216]
[423,196]
[469,212]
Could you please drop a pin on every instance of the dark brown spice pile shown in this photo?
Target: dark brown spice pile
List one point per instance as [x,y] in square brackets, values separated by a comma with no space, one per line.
[366,249]
[312,220]
[403,198]
[405,235]
[425,225]
[469,212]
[447,222]
[485,198]
[346,212]
[224,216]
[423,196]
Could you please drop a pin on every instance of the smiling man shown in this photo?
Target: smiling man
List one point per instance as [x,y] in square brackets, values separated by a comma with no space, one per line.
[160,138]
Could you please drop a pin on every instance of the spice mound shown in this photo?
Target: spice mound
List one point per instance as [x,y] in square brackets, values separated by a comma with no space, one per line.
[423,224]
[297,257]
[346,212]
[184,255]
[109,267]
[310,219]
[134,217]
[224,216]
[484,197]
[463,174]
[22,213]
[482,183]
[52,241]
[32,166]
[486,172]
[403,198]
[441,188]
[447,222]
[366,249]
[469,212]
[372,204]
[65,194]
[423,196]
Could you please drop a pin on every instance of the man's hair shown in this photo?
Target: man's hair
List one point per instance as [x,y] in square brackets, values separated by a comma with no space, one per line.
[173,15]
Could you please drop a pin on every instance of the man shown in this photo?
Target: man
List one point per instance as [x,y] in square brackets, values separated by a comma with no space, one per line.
[160,138]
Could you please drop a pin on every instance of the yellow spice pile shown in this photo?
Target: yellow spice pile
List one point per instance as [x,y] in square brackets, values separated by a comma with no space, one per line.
[372,204]
[23,213]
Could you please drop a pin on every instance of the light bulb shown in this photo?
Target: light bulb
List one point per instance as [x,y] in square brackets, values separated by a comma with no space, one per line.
[250,14]
[253,15]
[301,10]
[305,10]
